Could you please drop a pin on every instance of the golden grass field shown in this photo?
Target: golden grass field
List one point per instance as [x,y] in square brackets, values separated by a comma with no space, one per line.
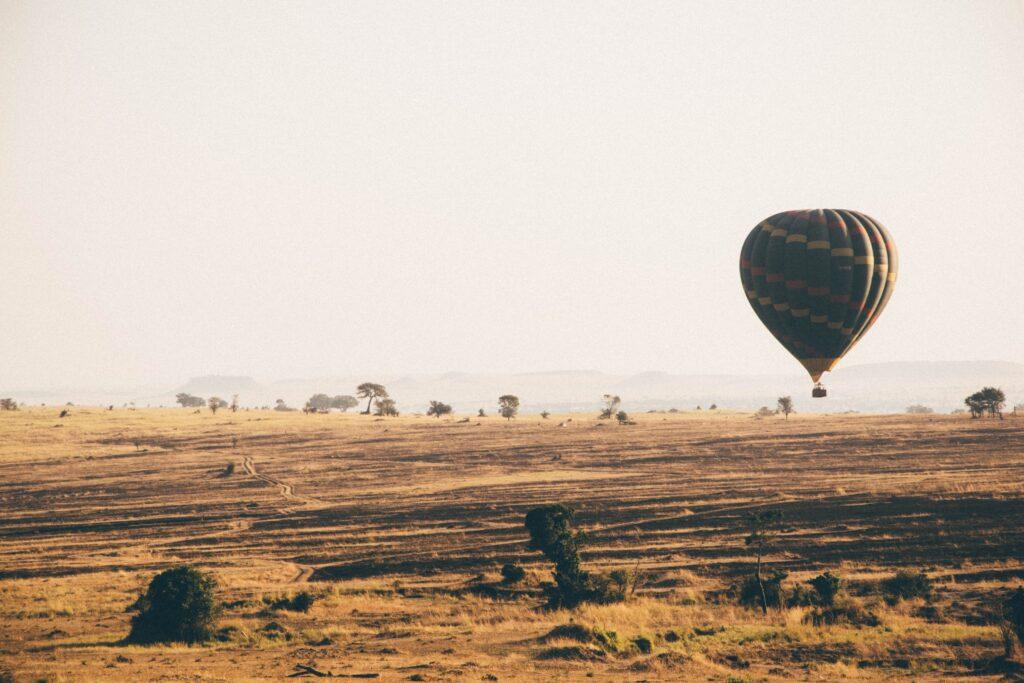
[391,522]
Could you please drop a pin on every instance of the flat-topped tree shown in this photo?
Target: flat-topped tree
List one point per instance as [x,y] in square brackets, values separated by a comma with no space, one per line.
[370,392]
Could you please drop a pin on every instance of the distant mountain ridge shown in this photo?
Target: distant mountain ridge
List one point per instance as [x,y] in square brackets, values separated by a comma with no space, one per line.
[879,387]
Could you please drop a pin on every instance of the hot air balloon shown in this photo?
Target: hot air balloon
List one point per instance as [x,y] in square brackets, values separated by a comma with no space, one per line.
[818,279]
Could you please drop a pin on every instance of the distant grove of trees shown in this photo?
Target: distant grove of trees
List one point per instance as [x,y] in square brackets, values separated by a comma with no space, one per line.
[437,409]
[988,400]
[918,409]
[385,407]
[8,404]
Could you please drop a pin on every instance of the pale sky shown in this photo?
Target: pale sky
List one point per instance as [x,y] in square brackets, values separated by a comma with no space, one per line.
[294,189]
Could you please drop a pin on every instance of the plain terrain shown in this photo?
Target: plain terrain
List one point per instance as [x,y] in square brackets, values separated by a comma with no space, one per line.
[400,526]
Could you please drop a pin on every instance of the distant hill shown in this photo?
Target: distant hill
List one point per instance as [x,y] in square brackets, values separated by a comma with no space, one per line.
[881,387]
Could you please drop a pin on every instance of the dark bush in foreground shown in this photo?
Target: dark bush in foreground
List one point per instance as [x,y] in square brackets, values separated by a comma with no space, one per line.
[826,586]
[906,586]
[300,602]
[750,590]
[551,532]
[512,573]
[179,606]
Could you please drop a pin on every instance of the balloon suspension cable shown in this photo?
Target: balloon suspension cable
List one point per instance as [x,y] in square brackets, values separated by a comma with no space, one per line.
[818,391]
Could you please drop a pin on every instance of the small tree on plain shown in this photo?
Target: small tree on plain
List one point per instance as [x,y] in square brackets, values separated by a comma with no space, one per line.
[481,413]
[437,409]
[508,406]
[8,404]
[234,403]
[544,414]
[386,408]
[762,526]
[281,406]
[180,605]
[764,411]
[918,409]
[370,392]
[216,403]
[785,404]
[611,406]
[343,403]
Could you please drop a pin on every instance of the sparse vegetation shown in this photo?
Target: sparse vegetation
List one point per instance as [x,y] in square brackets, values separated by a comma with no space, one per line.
[180,605]
[234,403]
[281,406]
[826,587]
[918,409]
[545,414]
[216,403]
[508,406]
[8,404]
[300,602]
[763,412]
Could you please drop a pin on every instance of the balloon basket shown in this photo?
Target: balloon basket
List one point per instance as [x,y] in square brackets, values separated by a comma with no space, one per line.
[818,391]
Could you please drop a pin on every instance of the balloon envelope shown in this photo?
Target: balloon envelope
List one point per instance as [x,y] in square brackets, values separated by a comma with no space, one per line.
[818,279]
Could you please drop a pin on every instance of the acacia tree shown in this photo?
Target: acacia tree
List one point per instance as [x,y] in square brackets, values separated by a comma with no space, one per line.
[343,403]
[785,404]
[370,392]
[508,406]
[611,406]
[989,400]
[437,409]
[762,526]
[234,403]
[189,401]
[215,403]
[386,407]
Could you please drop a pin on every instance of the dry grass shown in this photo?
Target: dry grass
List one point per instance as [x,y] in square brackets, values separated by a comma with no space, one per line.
[389,521]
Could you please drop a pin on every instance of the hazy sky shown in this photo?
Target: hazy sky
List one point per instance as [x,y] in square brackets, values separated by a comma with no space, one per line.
[292,189]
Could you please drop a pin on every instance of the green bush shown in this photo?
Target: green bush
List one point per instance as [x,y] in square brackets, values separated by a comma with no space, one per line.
[179,606]
[907,585]
[512,573]
[844,610]
[750,591]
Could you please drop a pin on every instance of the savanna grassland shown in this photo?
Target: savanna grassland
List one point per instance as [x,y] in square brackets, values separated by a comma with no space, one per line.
[399,528]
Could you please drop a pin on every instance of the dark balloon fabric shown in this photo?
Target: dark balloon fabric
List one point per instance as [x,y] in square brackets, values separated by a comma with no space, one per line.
[818,280]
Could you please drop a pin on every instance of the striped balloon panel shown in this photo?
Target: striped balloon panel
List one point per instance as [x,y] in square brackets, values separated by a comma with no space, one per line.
[818,279]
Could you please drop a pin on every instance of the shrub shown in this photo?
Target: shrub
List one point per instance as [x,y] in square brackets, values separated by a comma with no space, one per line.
[907,585]
[826,586]
[643,644]
[551,533]
[300,602]
[918,409]
[844,610]
[512,573]
[750,591]
[179,606]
